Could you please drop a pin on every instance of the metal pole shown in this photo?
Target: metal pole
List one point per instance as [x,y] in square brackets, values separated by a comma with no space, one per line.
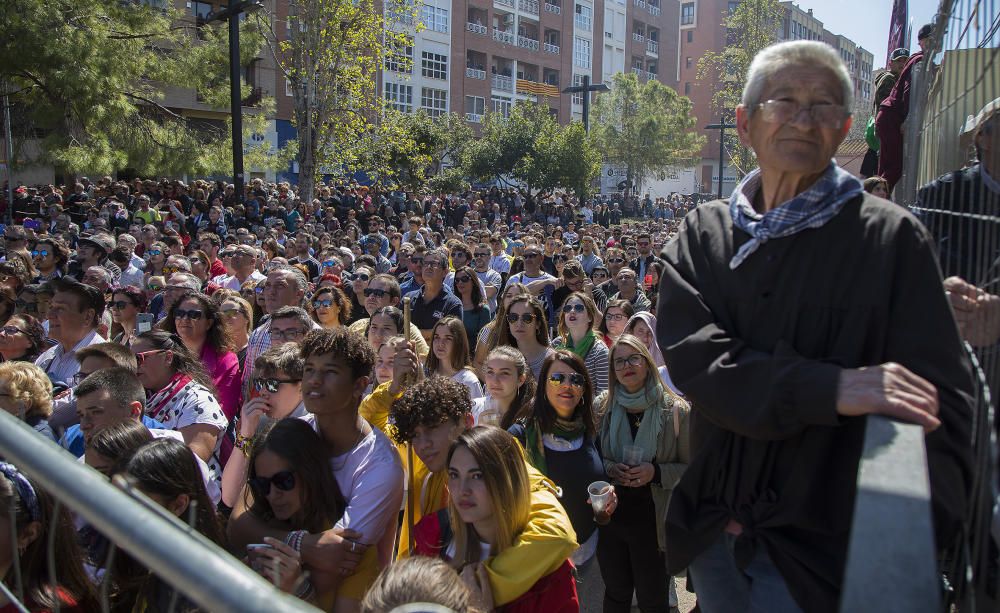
[586,103]
[9,154]
[210,577]
[235,99]
[722,132]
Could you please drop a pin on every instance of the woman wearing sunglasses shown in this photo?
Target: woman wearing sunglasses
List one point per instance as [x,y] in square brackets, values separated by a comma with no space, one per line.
[182,394]
[644,441]
[195,318]
[559,436]
[577,333]
[22,339]
[360,278]
[237,318]
[526,329]
[483,347]
[126,304]
[331,308]
[156,257]
[449,355]
[475,313]
[285,491]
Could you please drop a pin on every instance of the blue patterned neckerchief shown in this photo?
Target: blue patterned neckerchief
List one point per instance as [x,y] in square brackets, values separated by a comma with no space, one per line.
[810,209]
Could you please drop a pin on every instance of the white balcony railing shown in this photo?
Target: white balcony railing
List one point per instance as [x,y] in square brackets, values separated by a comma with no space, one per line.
[639,72]
[652,47]
[527,43]
[509,3]
[653,10]
[651,76]
[640,3]
[475,73]
[638,37]
[555,9]
[503,36]
[477,28]
[528,6]
[550,48]
[503,83]
[474,117]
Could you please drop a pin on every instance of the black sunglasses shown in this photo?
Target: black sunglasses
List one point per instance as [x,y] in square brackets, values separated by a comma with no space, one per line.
[569,308]
[463,279]
[192,314]
[284,481]
[416,260]
[271,384]
[526,318]
[372,291]
[120,304]
[362,277]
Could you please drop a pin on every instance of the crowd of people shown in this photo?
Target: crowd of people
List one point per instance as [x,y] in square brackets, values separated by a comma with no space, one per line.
[476,399]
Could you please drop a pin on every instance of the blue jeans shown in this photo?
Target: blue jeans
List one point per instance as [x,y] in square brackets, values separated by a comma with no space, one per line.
[722,587]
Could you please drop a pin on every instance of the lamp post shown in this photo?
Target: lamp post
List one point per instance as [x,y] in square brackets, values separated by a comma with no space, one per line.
[721,127]
[585,88]
[232,14]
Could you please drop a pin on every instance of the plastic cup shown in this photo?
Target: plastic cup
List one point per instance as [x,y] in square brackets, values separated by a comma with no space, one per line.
[631,455]
[600,493]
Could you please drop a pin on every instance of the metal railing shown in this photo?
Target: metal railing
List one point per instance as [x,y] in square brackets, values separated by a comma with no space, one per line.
[652,47]
[555,9]
[527,43]
[503,36]
[550,48]
[638,37]
[653,10]
[475,73]
[502,82]
[528,6]
[509,3]
[476,28]
[474,117]
[195,567]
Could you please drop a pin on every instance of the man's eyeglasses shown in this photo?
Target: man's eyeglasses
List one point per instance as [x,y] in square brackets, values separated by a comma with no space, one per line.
[192,314]
[140,357]
[560,378]
[372,291]
[483,254]
[633,360]
[569,308]
[284,481]
[830,116]
[79,377]
[527,318]
[616,260]
[41,253]
[531,256]
[292,334]
[432,264]
[271,384]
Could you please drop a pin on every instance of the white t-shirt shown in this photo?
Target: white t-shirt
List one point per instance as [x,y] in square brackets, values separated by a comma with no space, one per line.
[469,379]
[490,277]
[370,477]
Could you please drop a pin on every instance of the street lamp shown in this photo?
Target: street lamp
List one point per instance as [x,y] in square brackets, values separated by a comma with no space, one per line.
[585,88]
[721,127]
[232,14]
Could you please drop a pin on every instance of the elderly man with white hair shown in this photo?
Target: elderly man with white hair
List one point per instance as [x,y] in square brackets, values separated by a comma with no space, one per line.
[786,315]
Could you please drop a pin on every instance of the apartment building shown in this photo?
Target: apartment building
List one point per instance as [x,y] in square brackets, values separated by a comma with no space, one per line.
[701,31]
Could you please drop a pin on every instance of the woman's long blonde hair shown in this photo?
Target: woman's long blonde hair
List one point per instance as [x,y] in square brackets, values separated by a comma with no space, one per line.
[505,474]
[632,342]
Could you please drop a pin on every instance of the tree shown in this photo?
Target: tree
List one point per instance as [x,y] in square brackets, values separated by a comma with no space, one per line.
[647,128]
[531,148]
[87,77]
[750,28]
[420,147]
[331,52]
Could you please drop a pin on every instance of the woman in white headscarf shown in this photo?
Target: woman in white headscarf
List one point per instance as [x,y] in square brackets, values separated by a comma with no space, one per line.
[643,325]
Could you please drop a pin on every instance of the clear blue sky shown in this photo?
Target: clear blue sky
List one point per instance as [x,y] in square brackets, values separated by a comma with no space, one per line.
[866,22]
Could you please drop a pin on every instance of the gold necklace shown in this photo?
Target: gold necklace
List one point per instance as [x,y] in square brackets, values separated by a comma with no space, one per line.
[637,419]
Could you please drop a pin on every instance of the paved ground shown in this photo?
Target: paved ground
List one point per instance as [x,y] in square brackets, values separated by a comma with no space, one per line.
[591,599]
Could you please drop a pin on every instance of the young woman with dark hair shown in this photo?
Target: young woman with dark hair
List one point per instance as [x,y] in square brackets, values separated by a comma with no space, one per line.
[475,313]
[510,388]
[449,356]
[526,329]
[483,340]
[577,332]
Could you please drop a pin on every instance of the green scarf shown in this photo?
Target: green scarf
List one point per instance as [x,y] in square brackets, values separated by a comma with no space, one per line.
[583,348]
[650,399]
[569,429]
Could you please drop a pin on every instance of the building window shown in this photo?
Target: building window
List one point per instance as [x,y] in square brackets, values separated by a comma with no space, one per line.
[688,63]
[733,4]
[581,52]
[687,89]
[502,105]
[435,65]
[577,81]
[475,105]
[687,14]
[288,88]
[434,18]
[434,101]
[399,59]
[690,36]
[399,96]
[584,17]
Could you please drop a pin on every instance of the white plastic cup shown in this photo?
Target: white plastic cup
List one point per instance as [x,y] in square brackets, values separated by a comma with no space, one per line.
[631,455]
[600,493]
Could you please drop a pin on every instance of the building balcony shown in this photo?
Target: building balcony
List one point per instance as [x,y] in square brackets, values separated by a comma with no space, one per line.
[508,3]
[652,47]
[550,48]
[475,73]
[477,28]
[528,6]
[503,83]
[504,36]
[555,9]
[527,43]
[639,72]
[638,37]
[653,10]
[640,3]
[651,76]
[474,117]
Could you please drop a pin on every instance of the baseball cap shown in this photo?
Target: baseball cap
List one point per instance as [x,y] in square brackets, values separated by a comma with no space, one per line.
[899,53]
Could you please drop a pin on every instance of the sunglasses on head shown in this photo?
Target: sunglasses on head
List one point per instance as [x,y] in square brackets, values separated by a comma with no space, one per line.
[575,379]
[569,308]
[526,318]
[284,481]
[378,293]
[192,314]
[271,384]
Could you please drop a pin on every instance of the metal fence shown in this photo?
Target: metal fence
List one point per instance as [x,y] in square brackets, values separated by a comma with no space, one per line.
[194,566]
[942,183]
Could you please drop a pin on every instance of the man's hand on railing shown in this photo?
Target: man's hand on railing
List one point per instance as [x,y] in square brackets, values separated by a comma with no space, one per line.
[890,390]
[976,312]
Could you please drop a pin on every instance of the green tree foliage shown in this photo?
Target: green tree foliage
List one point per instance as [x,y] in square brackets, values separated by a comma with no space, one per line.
[647,128]
[530,147]
[331,52]
[749,29]
[417,148]
[88,76]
